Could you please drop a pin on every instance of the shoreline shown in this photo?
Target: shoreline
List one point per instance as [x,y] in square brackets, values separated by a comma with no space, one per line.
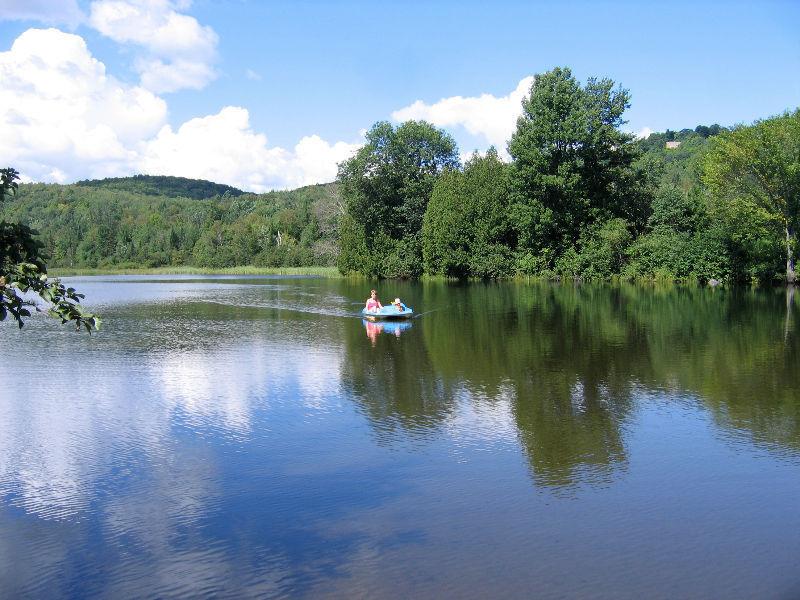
[329,272]
[333,273]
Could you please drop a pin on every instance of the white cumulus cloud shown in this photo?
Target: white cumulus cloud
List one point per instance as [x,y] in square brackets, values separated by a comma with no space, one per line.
[316,160]
[61,114]
[491,117]
[177,52]
[224,148]
[219,147]
[64,118]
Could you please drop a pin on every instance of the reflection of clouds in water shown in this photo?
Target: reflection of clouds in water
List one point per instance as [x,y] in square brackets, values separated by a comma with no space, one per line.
[483,421]
[48,435]
[203,385]
[577,397]
[183,488]
[318,376]
[221,387]
[161,524]
[61,437]
[121,443]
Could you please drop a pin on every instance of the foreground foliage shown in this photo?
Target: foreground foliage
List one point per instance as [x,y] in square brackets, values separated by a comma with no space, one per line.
[23,273]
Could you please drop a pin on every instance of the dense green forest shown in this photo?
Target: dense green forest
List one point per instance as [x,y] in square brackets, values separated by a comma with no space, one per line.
[163,185]
[578,199]
[122,223]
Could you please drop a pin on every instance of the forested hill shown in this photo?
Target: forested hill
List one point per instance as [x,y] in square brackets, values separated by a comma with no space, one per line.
[654,217]
[125,223]
[151,221]
[678,163]
[163,185]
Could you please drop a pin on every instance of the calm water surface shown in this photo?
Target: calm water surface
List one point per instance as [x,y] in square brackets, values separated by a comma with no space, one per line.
[252,437]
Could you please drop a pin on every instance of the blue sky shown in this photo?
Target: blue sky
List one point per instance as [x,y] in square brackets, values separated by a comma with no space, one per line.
[324,71]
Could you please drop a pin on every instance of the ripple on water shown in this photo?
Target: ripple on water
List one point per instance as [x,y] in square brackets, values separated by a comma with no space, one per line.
[218,439]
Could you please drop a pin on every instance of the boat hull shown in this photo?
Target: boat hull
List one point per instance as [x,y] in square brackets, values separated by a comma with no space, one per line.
[387,313]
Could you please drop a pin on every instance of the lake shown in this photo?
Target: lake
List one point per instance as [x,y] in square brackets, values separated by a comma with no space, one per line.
[253,437]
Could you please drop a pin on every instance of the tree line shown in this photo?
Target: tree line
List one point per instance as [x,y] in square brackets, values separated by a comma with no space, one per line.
[123,223]
[578,199]
[574,197]
[164,185]
[134,222]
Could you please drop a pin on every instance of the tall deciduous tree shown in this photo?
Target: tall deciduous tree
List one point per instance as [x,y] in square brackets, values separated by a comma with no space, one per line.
[573,166]
[760,167]
[386,187]
[22,271]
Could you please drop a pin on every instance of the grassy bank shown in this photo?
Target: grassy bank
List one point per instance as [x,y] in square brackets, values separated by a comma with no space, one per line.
[243,270]
[333,272]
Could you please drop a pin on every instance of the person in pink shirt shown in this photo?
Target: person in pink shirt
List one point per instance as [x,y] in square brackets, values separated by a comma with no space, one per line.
[373,304]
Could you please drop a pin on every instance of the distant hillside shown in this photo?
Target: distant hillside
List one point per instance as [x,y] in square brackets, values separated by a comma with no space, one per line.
[137,222]
[163,185]
[152,221]
[677,154]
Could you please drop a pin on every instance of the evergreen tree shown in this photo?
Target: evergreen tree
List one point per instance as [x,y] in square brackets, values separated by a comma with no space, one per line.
[466,232]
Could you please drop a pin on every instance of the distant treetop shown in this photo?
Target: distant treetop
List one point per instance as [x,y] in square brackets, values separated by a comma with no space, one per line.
[164,185]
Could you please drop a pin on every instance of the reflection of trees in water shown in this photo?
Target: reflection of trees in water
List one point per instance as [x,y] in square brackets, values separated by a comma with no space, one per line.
[732,349]
[572,357]
[392,380]
[570,432]
[743,363]
[567,371]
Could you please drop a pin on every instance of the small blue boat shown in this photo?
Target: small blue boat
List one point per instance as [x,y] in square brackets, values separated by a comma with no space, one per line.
[388,312]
